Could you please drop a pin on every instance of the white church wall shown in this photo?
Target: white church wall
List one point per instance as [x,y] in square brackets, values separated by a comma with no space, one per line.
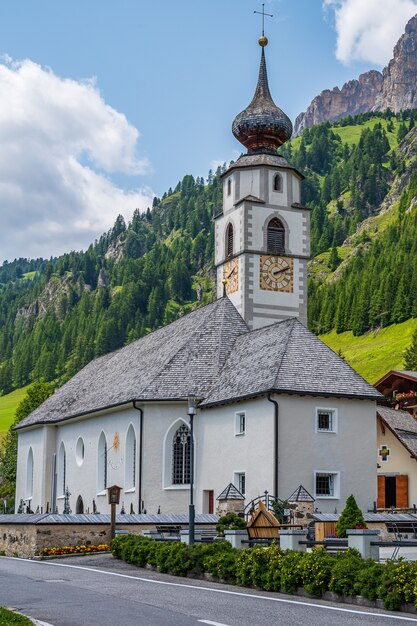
[349,452]
[40,442]
[222,453]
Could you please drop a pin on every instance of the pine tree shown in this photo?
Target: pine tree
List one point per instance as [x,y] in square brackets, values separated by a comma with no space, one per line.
[410,354]
[350,517]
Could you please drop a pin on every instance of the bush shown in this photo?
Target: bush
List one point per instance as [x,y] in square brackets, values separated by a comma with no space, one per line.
[316,571]
[350,517]
[368,580]
[231,521]
[345,570]
[291,577]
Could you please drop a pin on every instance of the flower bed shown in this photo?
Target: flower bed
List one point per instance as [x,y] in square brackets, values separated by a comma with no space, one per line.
[103,547]
[273,569]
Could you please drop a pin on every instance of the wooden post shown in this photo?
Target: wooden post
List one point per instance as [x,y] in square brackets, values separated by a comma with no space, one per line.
[113,521]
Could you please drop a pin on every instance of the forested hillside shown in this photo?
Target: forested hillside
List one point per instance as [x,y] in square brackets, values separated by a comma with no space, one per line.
[361,182]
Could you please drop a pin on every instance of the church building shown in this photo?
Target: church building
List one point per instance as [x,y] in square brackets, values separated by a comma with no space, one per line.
[276,408]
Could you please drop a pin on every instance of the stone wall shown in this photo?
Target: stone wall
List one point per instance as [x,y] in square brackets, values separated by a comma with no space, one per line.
[27,540]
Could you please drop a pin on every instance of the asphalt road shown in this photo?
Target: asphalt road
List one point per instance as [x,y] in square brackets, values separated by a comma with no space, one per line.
[99,591]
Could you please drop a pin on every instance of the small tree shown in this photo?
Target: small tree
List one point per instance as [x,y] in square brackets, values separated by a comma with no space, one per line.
[350,517]
[410,355]
[230,521]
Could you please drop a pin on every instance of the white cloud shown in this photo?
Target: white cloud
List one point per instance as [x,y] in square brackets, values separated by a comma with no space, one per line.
[367,30]
[60,142]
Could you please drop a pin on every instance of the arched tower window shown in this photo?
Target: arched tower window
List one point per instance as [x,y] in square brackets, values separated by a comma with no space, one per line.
[278,182]
[181,456]
[229,240]
[229,186]
[130,477]
[275,236]
[102,463]
[29,475]
[62,470]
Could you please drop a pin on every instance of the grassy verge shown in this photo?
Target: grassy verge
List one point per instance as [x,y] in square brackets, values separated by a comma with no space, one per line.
[374,354]
[8,618]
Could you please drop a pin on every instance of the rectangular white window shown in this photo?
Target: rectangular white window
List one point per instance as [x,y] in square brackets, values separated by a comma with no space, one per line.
[326,421]
[240,482]
[240,423]
[326,484]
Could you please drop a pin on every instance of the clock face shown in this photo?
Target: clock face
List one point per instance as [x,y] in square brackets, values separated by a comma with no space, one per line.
[231,274]
[276,273]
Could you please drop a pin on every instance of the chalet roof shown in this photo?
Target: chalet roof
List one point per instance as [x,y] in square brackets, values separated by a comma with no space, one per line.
[286,357]
[172,362]
[211,353]
[300,495]
[403,425]
[230,493]
[409,374]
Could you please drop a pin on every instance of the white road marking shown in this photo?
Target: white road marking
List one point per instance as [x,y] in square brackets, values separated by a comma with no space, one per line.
[206,621]
[44,623]
[213,590]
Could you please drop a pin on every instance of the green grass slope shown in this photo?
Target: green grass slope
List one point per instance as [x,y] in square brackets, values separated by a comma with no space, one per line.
[374,354]
[8,406]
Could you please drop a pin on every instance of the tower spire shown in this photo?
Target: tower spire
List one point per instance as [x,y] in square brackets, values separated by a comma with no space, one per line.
[262,127]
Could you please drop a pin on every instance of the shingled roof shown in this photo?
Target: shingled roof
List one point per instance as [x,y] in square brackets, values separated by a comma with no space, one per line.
[402,425]
[211,353]
[286,357]
[181,358]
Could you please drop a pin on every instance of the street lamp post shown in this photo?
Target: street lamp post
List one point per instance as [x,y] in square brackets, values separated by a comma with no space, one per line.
[191,508]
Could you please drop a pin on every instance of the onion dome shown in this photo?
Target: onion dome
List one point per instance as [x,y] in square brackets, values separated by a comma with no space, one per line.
[262,127]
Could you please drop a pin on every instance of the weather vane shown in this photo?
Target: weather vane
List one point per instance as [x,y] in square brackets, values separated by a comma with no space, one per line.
[263,17]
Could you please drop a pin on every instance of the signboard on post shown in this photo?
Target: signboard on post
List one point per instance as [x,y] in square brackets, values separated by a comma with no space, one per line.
[114,499]
[114,494]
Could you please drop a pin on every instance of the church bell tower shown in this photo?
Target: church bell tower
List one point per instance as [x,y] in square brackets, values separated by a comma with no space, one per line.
[262,236]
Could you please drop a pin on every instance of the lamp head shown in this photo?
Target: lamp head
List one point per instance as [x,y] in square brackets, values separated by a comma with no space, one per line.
[192,404]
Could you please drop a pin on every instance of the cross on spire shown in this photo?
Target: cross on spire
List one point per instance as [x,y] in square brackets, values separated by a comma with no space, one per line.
[263,17]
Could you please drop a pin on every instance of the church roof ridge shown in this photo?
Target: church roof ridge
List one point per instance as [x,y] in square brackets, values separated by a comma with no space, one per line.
[162,365]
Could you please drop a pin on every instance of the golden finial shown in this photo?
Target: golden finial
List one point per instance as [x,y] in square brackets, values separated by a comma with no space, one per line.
[263,41]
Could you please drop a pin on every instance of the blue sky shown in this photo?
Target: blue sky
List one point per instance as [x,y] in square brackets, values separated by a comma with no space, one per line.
[178,71]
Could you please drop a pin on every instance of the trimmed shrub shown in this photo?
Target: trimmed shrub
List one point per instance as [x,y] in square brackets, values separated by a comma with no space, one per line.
[345,570]
[231,521]
[350,517]
[291,576]
[316,571]
[368,579]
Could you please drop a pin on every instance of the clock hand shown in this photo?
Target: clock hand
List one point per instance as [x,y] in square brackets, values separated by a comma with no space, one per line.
[231,272]
[275,273]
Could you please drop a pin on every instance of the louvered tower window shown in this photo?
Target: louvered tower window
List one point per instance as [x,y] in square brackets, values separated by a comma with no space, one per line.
[278,182]
[229,241]
[276,237]
[181,456]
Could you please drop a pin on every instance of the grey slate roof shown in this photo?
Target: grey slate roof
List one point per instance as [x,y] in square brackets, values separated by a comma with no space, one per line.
[255,160]
[301,495]
[181,358]
[211,353]
[230,493]
[403,425]
[103,518]
[286,357]
[369,517]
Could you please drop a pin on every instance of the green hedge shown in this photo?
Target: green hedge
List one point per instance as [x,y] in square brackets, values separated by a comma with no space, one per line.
[273,569]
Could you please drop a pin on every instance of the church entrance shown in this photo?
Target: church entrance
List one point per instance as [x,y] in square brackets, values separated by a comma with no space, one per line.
[79,507]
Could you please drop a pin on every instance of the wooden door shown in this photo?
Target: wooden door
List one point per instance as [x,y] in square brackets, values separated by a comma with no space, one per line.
[381,493]
[401,484]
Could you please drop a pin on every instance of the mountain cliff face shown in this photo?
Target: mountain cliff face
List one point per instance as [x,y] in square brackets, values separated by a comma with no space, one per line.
[395,88]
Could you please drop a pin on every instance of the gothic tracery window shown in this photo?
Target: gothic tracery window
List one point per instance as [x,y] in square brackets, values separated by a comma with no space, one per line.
[181,456]
[229,240]
[275,236]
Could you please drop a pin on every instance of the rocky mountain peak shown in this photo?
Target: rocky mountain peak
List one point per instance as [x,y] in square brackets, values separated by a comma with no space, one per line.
[395,88]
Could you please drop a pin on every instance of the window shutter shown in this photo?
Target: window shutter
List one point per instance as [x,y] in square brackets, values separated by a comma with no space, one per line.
[381,493]
[401,486]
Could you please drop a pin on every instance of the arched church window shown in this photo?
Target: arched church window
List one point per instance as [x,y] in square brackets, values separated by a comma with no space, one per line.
[62,470]
[229,186]
[278,182]
[229,240]
[29,475]
[130,468]
[181,456]
[275,236]
[102,463]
